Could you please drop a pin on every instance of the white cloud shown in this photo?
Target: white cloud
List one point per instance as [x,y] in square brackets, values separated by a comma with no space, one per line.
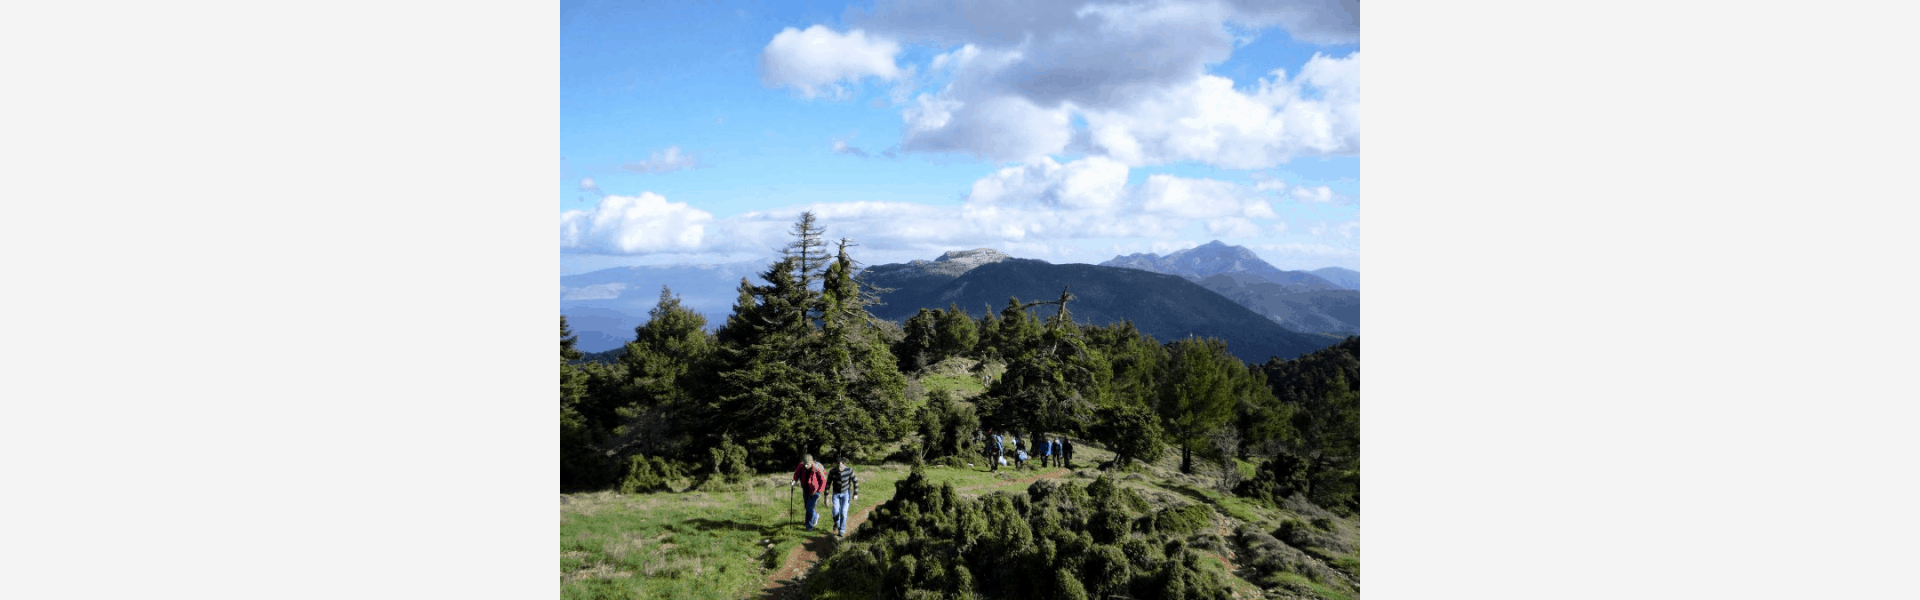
[1232,227]
[663,161]
[642,224]
[1201,198]
[604,291]
[1163,248]
[1039,204]
[1135,72]
[1263,182]
[1207,120]
[1313,194]
[817,61]
[1094,183]
[1001,127]
[588,185]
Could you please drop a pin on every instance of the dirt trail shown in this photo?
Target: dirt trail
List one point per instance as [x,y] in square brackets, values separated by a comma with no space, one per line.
[784,583]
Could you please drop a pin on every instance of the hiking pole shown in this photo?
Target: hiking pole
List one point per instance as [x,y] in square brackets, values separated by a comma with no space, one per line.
[789,502]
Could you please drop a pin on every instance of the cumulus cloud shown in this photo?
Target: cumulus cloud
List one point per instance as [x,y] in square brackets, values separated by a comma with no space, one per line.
[1136,72]
[587,184]
[1313,194]
[1263,182]
[1001,127]
[1164,248]
[1033,205]
[1310,21]
[1201,198]
[642,224]
[663,161]
[1091,183]
[1207,120]
[818,61]
[1232,227]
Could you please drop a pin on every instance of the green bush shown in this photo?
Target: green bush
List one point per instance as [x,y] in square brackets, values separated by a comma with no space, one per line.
[1183,520]
[728,462]
[1058,540]
[648,474]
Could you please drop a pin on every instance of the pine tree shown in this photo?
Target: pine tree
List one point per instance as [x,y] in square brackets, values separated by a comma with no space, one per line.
[804,372]
[1053,382]
[956,333]
[567,340]
[668,354]
[920,347]
[808,251]
[1198,394]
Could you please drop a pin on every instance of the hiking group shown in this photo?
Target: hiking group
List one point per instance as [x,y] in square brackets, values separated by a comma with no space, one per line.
[841,486]
[1052,452]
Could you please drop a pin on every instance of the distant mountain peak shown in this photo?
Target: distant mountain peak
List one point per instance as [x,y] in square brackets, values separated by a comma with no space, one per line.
[978,256]
[952,263]
[1217,257]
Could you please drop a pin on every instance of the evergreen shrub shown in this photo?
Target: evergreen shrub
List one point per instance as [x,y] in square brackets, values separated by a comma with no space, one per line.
[1058,540]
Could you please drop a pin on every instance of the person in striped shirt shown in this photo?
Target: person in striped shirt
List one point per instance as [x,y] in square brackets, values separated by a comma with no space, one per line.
[844,488]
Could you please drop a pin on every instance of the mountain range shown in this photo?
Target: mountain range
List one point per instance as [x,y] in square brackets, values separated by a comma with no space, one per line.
[1166,307]
[1210,290]
[1346,278]
[1214,258]
[1323,300]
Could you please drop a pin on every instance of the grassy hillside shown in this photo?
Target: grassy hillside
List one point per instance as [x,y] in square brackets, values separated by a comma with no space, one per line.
[742,544]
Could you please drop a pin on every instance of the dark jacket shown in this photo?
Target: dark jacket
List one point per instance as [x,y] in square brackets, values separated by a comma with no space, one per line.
[842,480]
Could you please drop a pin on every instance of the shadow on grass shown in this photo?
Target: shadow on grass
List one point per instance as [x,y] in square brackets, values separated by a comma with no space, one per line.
[710,525]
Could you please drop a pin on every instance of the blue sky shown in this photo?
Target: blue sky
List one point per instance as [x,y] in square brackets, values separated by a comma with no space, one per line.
[1069,132]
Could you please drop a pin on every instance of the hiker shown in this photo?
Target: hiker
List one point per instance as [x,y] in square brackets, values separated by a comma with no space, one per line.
[812,478]
[1066,451]
[1019,453]
[842,484]
[1053,447]
[994,449]
[1046,452]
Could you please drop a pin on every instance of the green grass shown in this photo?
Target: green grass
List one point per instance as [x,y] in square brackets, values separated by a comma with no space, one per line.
[961,386]
[959,376]
[710,545]
[1301,582]
[1228,504]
